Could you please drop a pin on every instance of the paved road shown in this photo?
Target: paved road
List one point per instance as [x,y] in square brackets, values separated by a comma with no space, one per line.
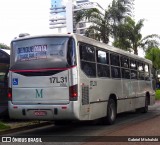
[127,124]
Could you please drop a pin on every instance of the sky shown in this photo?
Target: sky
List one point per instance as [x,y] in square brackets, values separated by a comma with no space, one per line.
[32,16]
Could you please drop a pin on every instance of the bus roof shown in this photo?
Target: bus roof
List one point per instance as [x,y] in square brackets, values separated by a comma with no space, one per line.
[91,42]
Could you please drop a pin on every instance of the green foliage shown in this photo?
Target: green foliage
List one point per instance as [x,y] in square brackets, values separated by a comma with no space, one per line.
[3,126]
[102,23]
[153,54]
[4,46]
[157,94]
[100,27]
[116,22]
[128,36]
[118,9]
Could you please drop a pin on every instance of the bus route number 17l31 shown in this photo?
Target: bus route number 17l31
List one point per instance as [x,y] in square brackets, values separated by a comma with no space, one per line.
[58,80]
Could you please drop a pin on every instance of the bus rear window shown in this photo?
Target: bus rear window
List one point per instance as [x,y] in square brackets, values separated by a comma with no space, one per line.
[38,52]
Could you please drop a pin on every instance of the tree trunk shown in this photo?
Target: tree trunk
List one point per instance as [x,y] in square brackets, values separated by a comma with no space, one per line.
[135,49]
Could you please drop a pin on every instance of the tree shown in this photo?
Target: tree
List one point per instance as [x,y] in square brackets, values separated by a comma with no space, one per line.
[153,54]
[100,27]
[103,23]
[119,9]
[128,36]
[4,46]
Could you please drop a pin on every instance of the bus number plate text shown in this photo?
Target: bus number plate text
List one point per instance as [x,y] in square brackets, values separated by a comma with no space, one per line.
[58,80]
[40,113]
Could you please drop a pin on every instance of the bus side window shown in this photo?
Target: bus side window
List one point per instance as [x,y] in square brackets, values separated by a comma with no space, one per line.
[115,65]
[133,74]
[87,56]
[87,52]
[146,70]
[133,69]
[133,64]
[125,67]
[125,73]
[102,57]
[89,68]
[114,59]
[124,62]
[140,71]
[71,54]
[115,72]
[103,69]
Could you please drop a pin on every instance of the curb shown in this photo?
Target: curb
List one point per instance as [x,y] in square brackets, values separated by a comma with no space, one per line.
[22,128]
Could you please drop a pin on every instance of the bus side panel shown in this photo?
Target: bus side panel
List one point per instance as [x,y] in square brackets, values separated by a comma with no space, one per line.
[99,92]
[101,89]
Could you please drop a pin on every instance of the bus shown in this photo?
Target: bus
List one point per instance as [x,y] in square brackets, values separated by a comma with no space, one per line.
[4,68]
[72,77]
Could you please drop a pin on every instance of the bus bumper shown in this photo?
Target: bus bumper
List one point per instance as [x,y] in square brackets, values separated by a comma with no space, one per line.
[42,112]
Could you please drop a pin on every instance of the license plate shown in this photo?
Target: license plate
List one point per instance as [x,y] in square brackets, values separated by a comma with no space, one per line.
[40,113]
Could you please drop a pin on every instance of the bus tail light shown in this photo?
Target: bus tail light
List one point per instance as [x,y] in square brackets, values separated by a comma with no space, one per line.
[73,93]
[9,93]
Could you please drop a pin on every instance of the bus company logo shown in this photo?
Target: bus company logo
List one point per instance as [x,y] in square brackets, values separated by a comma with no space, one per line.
[39,93]
[6,139]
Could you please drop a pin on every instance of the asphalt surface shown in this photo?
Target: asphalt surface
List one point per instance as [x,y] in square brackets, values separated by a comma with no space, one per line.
[139,133]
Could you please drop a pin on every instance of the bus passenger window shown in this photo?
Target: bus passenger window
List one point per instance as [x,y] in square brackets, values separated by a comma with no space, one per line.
[102,57]
[133,74]
[89,68]
[115,72]
[124,62]
[140,67]
[133,64]
[141,75]
[87,53]
[146,70]
[103,70]
[140,71]
[126,73]
[114,59]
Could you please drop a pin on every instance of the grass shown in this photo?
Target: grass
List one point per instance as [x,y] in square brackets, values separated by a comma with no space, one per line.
[3,126]
[158,94]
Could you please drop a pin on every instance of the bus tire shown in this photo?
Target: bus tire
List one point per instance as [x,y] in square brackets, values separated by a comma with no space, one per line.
[111,112]
[145,108]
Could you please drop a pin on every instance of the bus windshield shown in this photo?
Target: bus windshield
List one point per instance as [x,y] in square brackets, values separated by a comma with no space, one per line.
[40,53]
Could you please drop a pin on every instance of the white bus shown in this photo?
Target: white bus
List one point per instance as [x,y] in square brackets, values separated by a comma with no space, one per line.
[72,77]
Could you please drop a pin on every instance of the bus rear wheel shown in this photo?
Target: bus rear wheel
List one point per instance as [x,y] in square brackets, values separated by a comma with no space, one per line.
[145,108]
[111,113]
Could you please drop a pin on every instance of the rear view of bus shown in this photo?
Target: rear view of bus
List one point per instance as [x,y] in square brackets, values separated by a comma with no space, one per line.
[43,78]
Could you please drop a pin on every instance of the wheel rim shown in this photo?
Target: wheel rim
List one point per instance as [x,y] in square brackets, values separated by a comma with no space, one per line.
[112,111]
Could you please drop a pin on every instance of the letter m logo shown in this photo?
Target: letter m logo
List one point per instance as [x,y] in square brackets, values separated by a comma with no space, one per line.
[39,93]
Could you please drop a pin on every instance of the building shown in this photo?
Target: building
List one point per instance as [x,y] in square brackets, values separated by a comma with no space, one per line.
[62,18]
[83,25]
[57,14]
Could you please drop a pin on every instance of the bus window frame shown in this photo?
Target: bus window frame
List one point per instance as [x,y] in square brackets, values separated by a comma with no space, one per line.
[72,57]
